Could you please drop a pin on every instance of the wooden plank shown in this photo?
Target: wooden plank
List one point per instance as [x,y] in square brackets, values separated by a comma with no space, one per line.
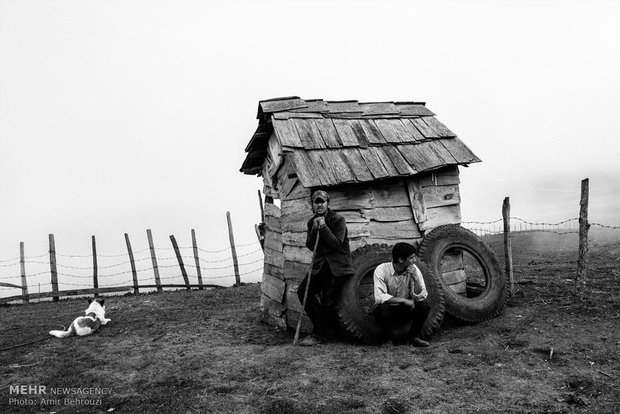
[294,272]
[350,198]
[393,241]
[445,176]
[380,154]
[344,107]
[441,215]
[274,257]
[353,216]
[287,133]
[273,224]
[390,129]
[372,132]
[339,166]
[438,126]
[401,164]
[299,191]
[379,108]
[294,238]
[420,156]
[314,105]
[291,300]
[345,133]
[424,128]
[277,321]
[294,223]
[297,254]
[306,170]
[454,276]
[460,288]
[451,261]
[461,153]
[281,104]
[273,241]
[416,200]
[389,213]
[374,164]
[357,230]
[309,134]
[394,230]
[441,152]
[322,168]
[413,109]
[274,271]
[295,115]
[359,132]
[302,205]
[417,135]
[273,287]
[392,194]
[356,164]
[444,195]
[329,133]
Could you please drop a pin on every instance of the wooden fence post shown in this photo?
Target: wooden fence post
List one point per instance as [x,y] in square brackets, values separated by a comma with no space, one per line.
[136,290]
[53,270]
[508,244]
[22,265]
[197,259]
[154,260]
[234,251]
[95,268]
[582,263]
[180,260]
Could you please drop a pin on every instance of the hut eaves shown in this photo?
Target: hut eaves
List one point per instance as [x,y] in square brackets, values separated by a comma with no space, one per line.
[336,142]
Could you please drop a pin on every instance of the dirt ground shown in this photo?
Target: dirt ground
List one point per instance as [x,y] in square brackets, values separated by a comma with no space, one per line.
[206,351]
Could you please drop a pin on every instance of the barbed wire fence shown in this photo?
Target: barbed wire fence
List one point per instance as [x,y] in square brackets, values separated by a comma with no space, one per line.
[188,267]
[577,226]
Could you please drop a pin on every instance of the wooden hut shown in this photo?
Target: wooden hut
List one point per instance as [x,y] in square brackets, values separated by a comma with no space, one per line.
[391,169]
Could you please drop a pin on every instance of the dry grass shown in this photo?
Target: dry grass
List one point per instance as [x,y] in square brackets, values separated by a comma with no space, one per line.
[206,351]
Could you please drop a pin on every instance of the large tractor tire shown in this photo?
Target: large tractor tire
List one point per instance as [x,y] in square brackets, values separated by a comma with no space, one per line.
[474,284]
[357,300]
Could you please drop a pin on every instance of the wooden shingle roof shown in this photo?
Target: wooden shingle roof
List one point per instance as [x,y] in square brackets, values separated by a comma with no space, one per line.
[349,141]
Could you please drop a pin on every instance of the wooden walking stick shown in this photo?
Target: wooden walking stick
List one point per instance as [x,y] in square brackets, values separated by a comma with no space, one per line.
[303,305]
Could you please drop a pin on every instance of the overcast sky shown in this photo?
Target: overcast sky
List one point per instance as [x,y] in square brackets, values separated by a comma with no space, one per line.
[118,116]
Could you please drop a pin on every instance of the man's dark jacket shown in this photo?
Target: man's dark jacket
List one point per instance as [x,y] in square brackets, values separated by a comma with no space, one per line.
[333,245]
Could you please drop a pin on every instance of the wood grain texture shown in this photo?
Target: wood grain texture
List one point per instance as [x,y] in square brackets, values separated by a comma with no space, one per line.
[273,287]
[415,132]
[390,194]
[306,170]
[459,151]
[329,133]
[441,215]
[345,133]
[380,154]
[410,109]
[356,164]
[322,169]
[416,200]
[278,105]
[388,214]
[360,133]
[339,166]
[394,230]
[350,198]
[273,241]
[287,133]
[309,134]
[438,126]
[274,257]
[297,254]
[424,128]
[445,176]
[372,132]
[400,162]
[436,196]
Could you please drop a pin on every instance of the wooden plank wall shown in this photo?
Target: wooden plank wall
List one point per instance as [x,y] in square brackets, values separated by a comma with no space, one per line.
[380,212]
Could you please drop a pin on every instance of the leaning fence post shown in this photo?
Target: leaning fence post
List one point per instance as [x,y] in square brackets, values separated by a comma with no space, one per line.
[197,259]
[22,265]
[95,268]
[582,263]
[180,260]
[154,260]
[233,250]
[53,270]
[508,244]
[133,265]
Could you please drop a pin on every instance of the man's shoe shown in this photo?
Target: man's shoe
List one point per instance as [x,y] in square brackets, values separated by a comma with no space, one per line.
[310,340]
[419,343]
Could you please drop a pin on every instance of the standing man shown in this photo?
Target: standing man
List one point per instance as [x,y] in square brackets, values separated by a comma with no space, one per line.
[400,295]
[332,265]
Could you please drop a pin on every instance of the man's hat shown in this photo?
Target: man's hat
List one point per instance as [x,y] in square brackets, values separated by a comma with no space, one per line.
[320,194]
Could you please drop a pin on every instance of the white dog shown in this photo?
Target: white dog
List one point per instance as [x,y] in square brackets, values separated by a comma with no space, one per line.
[85,325]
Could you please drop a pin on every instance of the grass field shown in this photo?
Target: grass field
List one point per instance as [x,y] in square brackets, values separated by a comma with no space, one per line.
[206,351]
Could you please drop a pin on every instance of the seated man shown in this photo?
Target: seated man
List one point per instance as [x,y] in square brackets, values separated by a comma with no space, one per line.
[400,295]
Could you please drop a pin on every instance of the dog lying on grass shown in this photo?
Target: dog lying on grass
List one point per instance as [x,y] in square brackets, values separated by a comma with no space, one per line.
[85,325]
